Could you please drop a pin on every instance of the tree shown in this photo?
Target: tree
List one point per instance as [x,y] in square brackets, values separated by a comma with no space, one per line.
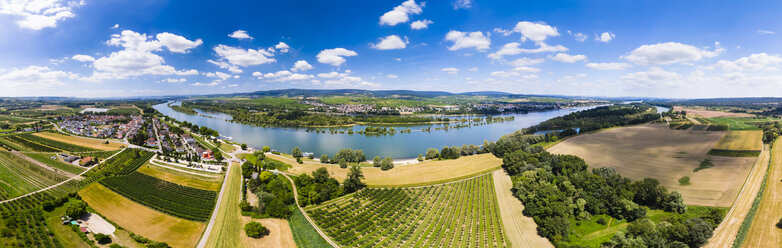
[387,164]
[343,164]
[255,230]
[320,175]
[296,152]
[244,146]
[779,224]
[432,153]
[376,161]
[245,206]
[102,238]
[420,157]
[218,156]
[298,160]
[698,232]
[353,182]
[324,158]
[266,149]
[674,202]
[76,210]
[358,156]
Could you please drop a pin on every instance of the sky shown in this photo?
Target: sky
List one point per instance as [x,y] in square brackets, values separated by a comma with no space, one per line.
[119,48]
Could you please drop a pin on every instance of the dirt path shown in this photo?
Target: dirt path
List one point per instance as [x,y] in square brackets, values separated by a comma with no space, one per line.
[208,231]
[763,232]
[725,233]
[521,230]
[45,166]
[280,234]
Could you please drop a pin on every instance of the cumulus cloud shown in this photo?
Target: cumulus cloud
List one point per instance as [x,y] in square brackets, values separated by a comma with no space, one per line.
[283,76]
[39,14]
[754,62]
[525,62]
[462,4]
[33,76]
[282,47]
[605,37]
[176,43]
[401,13]
[213,83]
[670,53]
[335,56]
[567,58]
[226,65]
[613,66]
[390,42]
[474,69]
[391,76]
[174,80]
[536,32]
[451,70]
[420,24]
[217,74]
[237,56]
[240,34]
[655,75]
[761,31]
[467,40]
[580,37]
[513,48]
[83,58]
[301,65]
[345,79]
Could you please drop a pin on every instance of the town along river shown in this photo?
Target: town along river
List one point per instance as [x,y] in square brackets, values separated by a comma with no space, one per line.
[398,145]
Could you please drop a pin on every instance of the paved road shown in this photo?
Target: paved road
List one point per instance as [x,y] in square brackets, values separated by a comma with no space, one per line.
[210,226]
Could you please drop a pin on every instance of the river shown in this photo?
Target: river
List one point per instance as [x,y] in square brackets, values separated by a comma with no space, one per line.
[399,145]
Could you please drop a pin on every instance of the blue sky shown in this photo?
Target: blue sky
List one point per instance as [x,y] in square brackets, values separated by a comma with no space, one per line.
[109,48]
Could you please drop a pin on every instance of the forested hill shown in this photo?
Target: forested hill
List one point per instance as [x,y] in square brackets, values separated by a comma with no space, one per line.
[371,93]
[600,117]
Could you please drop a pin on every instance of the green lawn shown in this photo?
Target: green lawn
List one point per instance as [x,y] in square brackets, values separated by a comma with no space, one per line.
[303,233]
[63,233]
[228,219]
[740,123]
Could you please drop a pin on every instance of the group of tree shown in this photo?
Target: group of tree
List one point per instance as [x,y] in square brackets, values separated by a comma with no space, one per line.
[556,189]
[201,130]
[386,163]
[452,152]
[275,195]
[598,118]
[255,230]
[345,156]
[320,187]
[771,130]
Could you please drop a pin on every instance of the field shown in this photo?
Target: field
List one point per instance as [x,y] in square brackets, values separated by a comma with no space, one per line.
[521,230]
[14,119]
[228,220]
[739,123]
[142,220]
[762,232]
[59,145]
[279,234]
[408,175]
[55,163]
[18,143]
[79,141]
[174,199]
[709,113]
[459,214]
[19,176]
[656,151]
[741,141]
[185,179]
[304,234]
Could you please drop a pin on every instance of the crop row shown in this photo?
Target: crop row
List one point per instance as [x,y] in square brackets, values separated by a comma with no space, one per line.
[462,214]
[170,198]
[28,145]
[56,144]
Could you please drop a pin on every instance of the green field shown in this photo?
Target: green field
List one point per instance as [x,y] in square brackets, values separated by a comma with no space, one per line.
[460,214]
[270,101]
[55,163]
[19,176]
[740,123]
[14,119]
[304,234]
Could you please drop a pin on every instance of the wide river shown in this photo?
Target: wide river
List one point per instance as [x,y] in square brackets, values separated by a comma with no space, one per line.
[399,145]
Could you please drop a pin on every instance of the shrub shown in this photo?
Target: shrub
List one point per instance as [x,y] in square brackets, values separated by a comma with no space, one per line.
[343,164]
[684,181]
[779,224]
[245,206]
[116,246]
[324,158]
[266,149]
[76,210]
[601,221]
[102,238]
[255,230]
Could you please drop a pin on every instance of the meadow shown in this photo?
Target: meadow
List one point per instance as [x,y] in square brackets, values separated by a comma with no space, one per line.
[18,176]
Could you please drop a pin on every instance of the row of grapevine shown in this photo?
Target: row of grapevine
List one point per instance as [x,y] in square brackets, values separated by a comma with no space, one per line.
[27,145]
[170,198]
[56,144]
[460,214]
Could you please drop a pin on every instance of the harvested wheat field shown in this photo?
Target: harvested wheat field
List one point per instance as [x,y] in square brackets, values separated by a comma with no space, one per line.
[408,175]
[709,113]
[657,151]
[741,141]
[85,142]
[279,234]
[520,230]
[140,219]
[763,232]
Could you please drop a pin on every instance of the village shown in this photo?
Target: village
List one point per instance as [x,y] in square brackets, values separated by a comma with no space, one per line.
[102,126]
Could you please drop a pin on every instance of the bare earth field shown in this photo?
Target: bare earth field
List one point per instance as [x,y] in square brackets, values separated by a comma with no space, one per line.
[741,141]
[430,171]
[279,234]
[657,151]
[140,219]
[763,233]
[89,143]
[521,230]
[709,113]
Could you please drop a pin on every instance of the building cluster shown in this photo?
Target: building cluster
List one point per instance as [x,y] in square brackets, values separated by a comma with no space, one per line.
[357,108]
[102,126]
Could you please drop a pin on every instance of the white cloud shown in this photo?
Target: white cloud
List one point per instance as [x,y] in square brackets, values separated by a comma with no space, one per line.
[654,76]
[116,26]
[83,58]
[613,66]
[450,70]
[462,4]
[335,56]
[241,57]
[217,74]
[754,62]
[390,42]
[474,69]
[240,34]
[213,83]
[282,47]
[301,65]
[537,32]
[503,32]
[400,14]
[580,37]
[670,53]
[567,58]
[32,76]
[466,40]
[525,62]
[605,37]
[39,14]
[526,69]
[420,24]
[174,80]
[761,31]
[345,80]
[521,71]
[283,76]
[176,43]
[514,49]
[226,65]
[391,76]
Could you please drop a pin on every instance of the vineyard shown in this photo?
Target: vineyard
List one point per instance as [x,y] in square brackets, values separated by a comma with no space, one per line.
[122,164]
[174,199]
[18,176]
[31,143]
[56,144]
[20,144]
[460,214]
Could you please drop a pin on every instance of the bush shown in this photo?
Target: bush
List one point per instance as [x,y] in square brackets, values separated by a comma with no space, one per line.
[343,164]
[779,224]
[324,158]
[116,246]
[387,164]
[102,238]
[298,160]
[245,206]
[255,230]
[601,221]
[266,149]
[76,210]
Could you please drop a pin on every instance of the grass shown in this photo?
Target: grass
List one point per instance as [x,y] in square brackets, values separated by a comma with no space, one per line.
[684,181]
[55,163]
[739,123]
[228,221]
[63,233]
[589,233]
[304,234]
[741,141]
[79,141]
[727,153]
[140,219]
[705,164]
[19,176]
[184,179]
[753,210]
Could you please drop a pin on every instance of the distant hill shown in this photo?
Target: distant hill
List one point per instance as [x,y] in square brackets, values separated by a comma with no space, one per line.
[372,93]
